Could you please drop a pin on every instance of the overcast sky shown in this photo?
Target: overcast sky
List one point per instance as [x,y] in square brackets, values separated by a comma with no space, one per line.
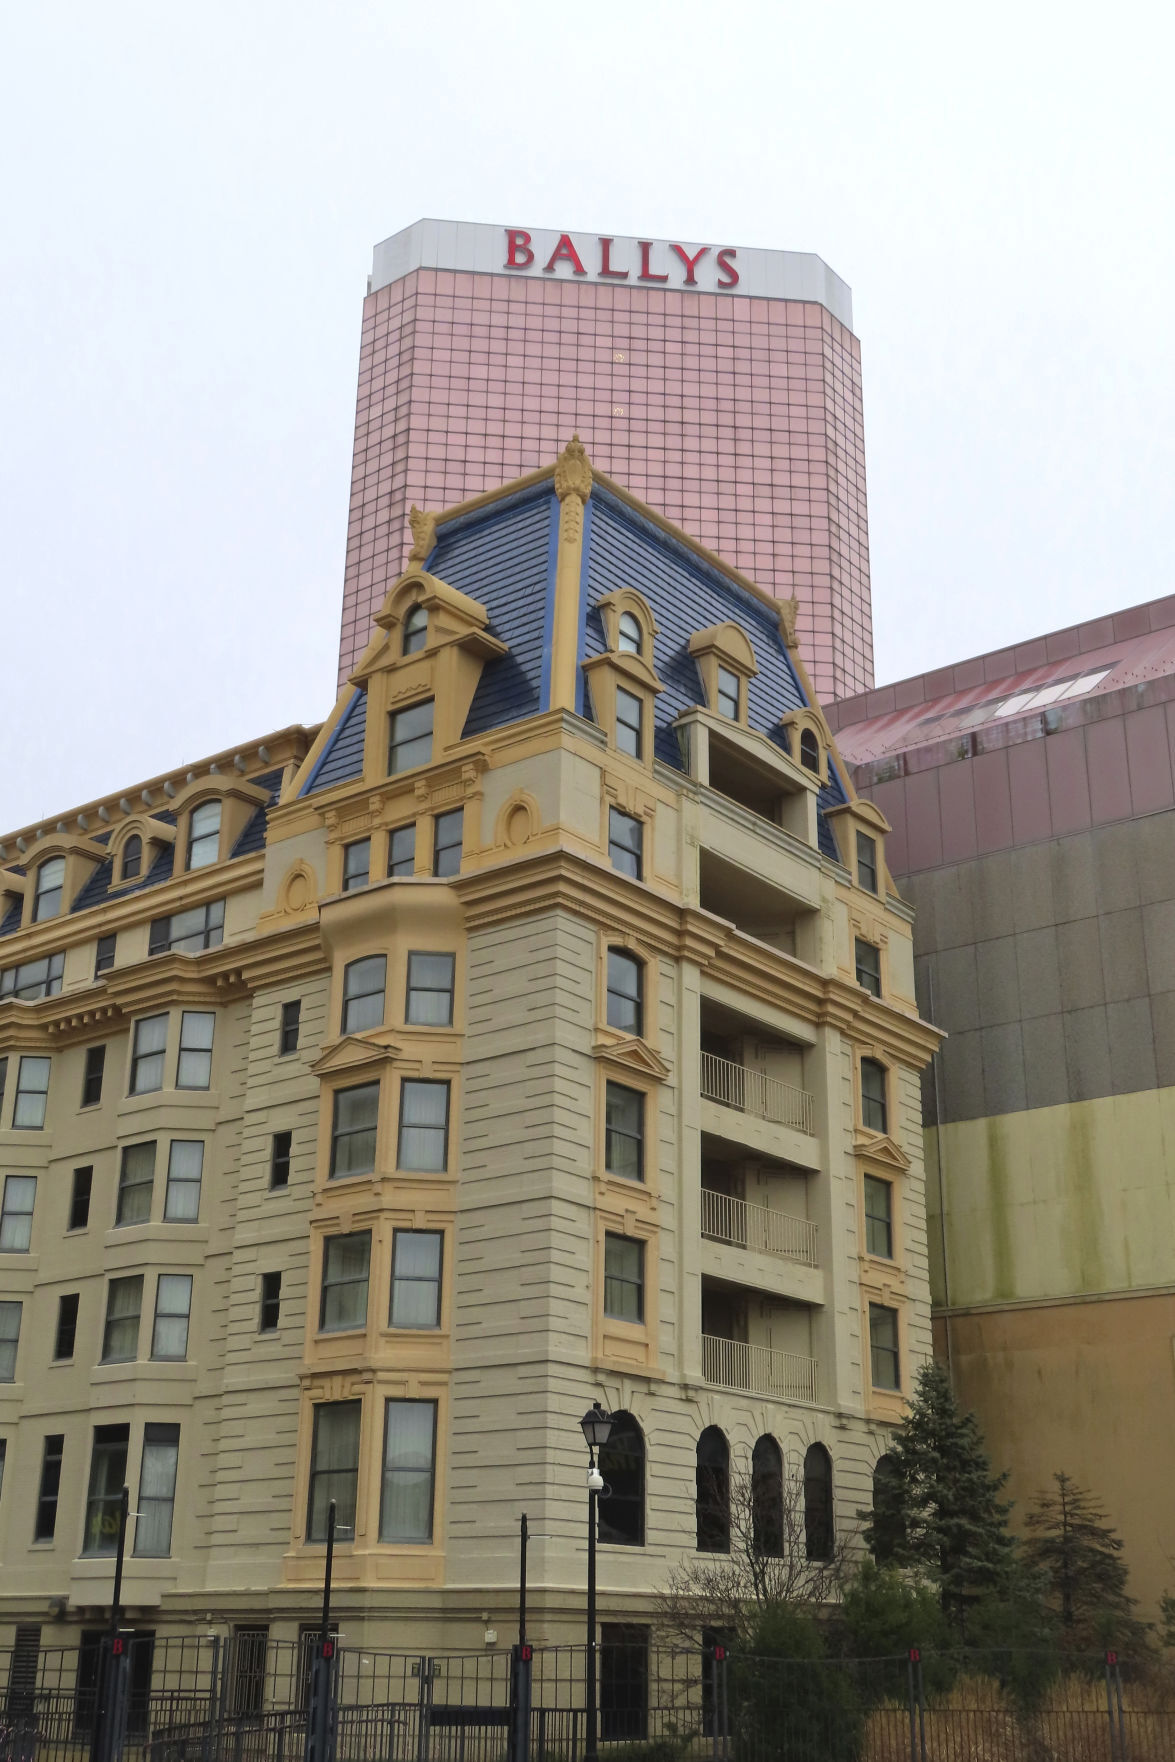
[191,194]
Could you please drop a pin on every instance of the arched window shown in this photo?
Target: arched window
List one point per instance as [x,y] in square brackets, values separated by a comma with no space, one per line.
[47,895]
[713,1492]
[767,1497]
[809,751]
[626,987]
[629,637]
[132,857]
[204,835]
[415,629]
[622,1503]
[889,1525]
[874,1111]
[818,1525]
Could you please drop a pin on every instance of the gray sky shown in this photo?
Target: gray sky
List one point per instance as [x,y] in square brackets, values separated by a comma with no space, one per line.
[191,194]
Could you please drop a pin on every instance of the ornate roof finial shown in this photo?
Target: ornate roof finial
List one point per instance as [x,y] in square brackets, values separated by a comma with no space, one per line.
[788,613]
[424,532]
[573,471]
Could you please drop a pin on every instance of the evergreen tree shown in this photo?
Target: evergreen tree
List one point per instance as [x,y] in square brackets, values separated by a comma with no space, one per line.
[1080,1558]
[941,1514]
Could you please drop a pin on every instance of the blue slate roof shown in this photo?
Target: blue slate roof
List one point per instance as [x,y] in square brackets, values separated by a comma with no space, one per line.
[341,758]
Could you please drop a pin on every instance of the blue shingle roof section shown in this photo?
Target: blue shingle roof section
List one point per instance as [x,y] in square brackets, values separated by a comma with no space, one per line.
[341,759]
[507,564]
[11,919]
[687,595]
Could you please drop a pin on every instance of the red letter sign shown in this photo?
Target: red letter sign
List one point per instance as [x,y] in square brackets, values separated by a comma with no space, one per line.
[646,273]
[564,252]
[691,280]
[727,267]
[606,261]
[518,242]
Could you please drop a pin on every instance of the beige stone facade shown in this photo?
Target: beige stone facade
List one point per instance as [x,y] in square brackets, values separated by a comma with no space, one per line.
[586,1133]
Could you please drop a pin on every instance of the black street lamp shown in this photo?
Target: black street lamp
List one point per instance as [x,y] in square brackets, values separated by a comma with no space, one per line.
[595,1425]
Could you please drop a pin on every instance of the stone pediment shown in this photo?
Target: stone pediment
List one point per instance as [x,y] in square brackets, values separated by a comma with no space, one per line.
[880,1147]
[634,1055]
[351,1053]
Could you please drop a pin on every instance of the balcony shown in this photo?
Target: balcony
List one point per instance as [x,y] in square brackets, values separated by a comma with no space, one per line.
[759,1370]
[751,1092]
[756,1227]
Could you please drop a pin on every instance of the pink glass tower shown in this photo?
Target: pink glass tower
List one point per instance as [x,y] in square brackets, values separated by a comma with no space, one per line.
[720,385]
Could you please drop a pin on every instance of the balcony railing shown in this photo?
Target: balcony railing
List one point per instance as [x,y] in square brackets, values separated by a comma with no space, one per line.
[752,1092]
[757,1227]
[758,1370]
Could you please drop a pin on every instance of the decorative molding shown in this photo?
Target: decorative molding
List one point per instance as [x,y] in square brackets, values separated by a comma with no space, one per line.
[424,534]
[573,472]
[631,1054]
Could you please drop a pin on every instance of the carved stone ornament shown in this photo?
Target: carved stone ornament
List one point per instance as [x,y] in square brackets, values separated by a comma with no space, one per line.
[573,471]
[424,533]
[789,611]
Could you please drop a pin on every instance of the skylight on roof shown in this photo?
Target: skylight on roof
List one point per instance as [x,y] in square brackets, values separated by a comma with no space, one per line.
[1022,702]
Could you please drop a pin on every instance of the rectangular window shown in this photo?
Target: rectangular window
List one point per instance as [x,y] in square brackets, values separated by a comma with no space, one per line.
[173,1308]
[200,927]
[104,959]
[104,1496]
[402,851]
[195,1061]
[45,1522]
[878,1217]
[363,993]
[346,1261]
[866,862]
[334,1467]
[625,1000]
[291,1027]
[47,892]
[124,1305]
[204,835]
[356,864]
[430,990]
[624,1132]
[148,1051]
[16,1214]
[353,1131]
[10,1311]
[161,1454]
[33,979]
[79,1199]
[874,1112]
[92,1078]
[3,1081]
[628,722]
[406,1498]
[625,843]
[624,1278]
[3,1463]
[271,1303]
[424,1126]
[136,1179]
[279,1159]
[883,1347]
[868,959]
[67,1325]
[185,1170]
[410,737]
[32,1094]
[448,833]
[728,693]
[416,1279]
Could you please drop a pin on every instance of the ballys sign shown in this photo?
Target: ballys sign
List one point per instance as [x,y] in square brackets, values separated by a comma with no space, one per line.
[652,261]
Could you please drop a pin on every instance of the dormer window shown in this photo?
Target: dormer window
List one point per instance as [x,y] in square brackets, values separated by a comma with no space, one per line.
[728,693]
[867,862]
[629,722]
[810,751]
[132,858]
[204,835]
[628,634]
[726,666]
[415,630]
[410,737]
[49,889]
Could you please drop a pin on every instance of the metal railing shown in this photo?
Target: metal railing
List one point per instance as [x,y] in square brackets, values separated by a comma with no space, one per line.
[725,1219]
[753,1092]
[758,1370]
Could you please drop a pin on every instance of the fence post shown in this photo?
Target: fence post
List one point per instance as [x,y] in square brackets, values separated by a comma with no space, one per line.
[521,1665]
[1121,1713]
[322,1717]
[423,1709]
[206,1747]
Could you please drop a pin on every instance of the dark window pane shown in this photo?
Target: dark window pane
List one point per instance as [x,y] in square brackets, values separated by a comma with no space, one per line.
[291,1026]
[79,1202]
[424,1126]
[625,992]
[628,722]
[410,737]
[767,1498]
[868,959]
[415,630]
[45,1522]
[878,1217]
[883,1347]
[430,990]
[279,1159]
[713,1492]
[728,693]
[107,1479]
[356,865]
[447,839]
[104,959]
[621,1507]
[866,862]
[356,1112]
[624,1132]
[624,1278]
[625,843]
[818,1524]
[67,1325]
[346,1262]
[271,1299]
[874,1112]
[416,1279]
[92,1079]
[334,1467]
[402,851]
[363,993]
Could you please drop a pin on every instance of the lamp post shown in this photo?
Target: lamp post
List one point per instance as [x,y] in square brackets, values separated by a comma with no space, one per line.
[595,1425]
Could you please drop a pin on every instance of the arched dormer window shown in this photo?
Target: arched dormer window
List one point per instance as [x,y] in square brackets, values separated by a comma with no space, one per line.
[204,835]
[50,885]
[626,992]
[629,635]
[819,1536]
[767,1498]
[415,630]
[809,751]
[807,740]
[622,1503]
[713,1492]
[132,857]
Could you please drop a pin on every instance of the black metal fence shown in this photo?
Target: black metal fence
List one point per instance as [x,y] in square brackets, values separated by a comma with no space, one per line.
[252,1698]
